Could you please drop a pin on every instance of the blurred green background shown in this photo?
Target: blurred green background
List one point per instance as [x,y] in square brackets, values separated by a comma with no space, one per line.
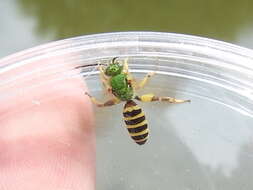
[27,23]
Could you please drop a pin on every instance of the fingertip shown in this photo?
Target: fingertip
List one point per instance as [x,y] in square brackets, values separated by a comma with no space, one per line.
[56,135]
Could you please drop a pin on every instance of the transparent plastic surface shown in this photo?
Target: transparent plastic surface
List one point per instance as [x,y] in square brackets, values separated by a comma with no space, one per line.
[207,144]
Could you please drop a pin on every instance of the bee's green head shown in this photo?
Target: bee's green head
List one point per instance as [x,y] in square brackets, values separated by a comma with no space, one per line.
[114,68]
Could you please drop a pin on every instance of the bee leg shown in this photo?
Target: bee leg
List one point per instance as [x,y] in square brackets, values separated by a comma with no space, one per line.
[125,70]
[145,80]
[106,86]
[152,98]
[130,79]
[102,73]
[125,66]
[110,102]
[104,79]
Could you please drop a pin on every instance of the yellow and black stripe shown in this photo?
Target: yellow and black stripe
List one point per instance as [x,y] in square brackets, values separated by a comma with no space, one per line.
[136,122]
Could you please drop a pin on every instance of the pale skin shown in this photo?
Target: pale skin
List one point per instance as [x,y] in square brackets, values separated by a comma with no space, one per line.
[136,86]
[47,139]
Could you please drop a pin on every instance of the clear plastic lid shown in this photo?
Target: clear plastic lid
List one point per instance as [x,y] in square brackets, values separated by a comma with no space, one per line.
[206,144]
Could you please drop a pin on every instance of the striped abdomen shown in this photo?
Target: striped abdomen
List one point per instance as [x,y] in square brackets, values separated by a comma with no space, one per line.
[136,122]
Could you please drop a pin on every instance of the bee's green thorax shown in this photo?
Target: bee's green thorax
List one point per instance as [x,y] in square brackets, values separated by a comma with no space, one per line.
[120,87]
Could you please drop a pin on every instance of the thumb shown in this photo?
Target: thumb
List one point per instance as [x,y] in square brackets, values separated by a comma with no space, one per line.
[47,139]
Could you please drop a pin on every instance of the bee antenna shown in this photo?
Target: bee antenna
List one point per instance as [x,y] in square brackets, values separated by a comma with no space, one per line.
[113,59]
[89,65]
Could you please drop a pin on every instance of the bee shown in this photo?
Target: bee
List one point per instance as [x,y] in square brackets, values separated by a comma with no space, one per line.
[119,82]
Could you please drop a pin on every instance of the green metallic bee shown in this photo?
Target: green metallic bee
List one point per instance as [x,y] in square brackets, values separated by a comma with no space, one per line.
[119,82]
